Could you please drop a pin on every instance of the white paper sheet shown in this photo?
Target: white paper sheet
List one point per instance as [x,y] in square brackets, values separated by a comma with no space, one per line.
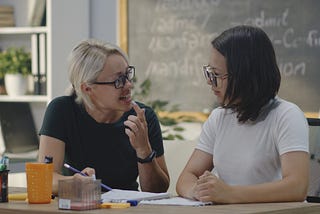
[118,195]
[176,201]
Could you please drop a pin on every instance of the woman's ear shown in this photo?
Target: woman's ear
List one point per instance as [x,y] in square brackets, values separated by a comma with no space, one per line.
[85,88]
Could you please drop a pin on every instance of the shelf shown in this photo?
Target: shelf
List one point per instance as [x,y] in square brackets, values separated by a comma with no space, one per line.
[22,30]
[25,98]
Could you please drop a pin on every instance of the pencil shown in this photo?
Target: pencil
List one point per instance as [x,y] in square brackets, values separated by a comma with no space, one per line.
[77,171]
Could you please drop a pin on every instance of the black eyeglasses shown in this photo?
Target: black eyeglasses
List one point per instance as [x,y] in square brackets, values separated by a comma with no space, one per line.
[121,81]
[209,74]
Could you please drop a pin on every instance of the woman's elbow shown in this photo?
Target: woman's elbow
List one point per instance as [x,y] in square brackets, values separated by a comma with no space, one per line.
[300,191]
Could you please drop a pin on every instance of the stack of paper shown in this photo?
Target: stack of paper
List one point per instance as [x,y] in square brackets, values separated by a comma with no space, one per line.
[116,195]
[176,201]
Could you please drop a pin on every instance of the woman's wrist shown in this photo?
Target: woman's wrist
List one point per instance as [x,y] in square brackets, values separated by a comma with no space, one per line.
[142,153]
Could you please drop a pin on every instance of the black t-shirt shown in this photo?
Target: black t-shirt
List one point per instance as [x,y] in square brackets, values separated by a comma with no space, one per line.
[104,147]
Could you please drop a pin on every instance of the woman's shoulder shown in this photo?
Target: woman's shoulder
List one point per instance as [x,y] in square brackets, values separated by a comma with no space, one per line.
[62,99]
[61,102]
[220,112]
[218,115]
[285,105]
[287,111]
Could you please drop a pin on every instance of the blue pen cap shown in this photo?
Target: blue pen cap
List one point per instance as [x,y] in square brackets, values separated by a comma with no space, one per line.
[133,203]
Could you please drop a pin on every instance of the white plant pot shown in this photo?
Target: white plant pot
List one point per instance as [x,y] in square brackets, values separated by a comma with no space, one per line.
[16,84]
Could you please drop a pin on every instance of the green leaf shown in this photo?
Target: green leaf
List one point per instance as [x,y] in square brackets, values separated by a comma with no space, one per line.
[15,60]
[167,121]
[169,137]
[178,128]
[179,137]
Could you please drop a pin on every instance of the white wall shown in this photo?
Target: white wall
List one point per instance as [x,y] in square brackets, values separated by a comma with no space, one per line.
[95,18]
[103,20]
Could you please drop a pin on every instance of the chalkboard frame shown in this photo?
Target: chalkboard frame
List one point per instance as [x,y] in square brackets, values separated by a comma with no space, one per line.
[123,25]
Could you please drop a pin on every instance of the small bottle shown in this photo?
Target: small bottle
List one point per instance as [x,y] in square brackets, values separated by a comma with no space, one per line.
[4,165]
[49,160]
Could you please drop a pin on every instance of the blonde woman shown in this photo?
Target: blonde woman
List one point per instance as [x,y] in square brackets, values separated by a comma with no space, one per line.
[99,129]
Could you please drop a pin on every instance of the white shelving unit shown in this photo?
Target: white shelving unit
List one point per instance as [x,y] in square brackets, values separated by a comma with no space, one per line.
[25,98]
[27,33]
[23,30]
[63,30]
[20,36]
[67,23]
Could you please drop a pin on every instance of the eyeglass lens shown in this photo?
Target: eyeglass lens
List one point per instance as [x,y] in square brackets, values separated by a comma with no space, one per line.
[121,81]
[209,75]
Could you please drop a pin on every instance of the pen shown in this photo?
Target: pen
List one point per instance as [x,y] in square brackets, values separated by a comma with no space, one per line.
[133,203]
[81,173]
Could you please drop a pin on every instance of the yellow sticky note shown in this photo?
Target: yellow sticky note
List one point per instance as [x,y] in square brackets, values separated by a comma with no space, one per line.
[115,205]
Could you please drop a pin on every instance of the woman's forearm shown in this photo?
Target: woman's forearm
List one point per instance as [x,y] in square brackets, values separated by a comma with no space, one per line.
[152,177]
[55,181]
[185,185]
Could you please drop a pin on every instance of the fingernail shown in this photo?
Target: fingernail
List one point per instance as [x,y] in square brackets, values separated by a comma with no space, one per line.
[133,102]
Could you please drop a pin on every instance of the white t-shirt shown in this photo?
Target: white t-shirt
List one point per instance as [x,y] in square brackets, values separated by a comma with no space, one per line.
[249,153]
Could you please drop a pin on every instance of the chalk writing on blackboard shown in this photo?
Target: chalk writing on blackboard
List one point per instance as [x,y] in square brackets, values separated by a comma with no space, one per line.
[169,42]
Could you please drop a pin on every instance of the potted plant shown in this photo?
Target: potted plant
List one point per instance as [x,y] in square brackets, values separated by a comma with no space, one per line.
[15,66]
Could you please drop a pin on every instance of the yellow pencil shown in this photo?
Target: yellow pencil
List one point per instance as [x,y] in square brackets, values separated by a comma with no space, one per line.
[114,205]
[17,196]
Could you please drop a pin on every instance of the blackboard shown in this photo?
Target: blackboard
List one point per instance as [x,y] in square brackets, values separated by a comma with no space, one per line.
[169,42]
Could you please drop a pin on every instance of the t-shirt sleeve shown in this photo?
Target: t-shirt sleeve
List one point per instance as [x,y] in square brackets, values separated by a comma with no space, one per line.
[55,121]
[208,134]
[293,131]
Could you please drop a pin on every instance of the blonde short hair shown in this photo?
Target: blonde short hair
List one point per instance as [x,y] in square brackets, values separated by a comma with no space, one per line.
[86,62]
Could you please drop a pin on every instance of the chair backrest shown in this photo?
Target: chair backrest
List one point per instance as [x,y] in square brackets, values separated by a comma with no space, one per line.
[314,147]
[17,127]
[177,154]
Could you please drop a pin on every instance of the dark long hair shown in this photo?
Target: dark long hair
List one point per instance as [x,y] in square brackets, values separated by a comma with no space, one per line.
[254,77]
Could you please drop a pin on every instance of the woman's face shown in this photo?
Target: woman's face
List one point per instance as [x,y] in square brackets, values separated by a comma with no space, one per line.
[107,98]
[218,67]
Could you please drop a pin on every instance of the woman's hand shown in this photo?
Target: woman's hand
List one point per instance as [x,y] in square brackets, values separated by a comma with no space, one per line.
[210,188]
[90,172]
[137,131]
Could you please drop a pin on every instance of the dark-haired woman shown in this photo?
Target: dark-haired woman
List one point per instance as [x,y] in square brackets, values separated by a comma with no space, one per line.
[254,147]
